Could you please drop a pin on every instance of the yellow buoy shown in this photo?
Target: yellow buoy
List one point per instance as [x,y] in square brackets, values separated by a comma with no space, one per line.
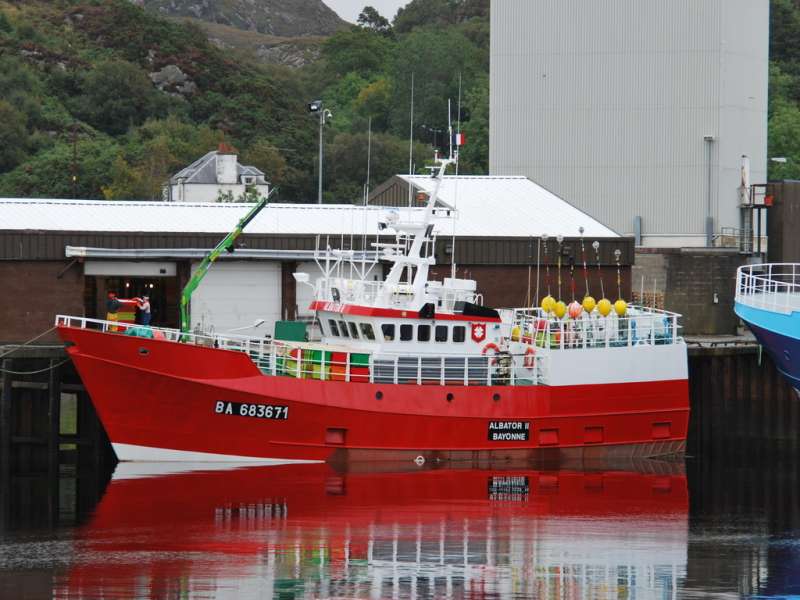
[589,304]
[620,307]
[560,309]
[604,307]
[548,303]
[515,333]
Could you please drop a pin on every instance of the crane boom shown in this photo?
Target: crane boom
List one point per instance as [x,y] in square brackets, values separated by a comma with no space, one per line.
[225,245]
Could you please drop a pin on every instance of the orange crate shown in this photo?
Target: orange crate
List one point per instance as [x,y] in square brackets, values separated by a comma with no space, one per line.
[337,372]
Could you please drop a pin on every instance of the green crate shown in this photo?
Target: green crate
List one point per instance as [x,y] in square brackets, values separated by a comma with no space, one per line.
[291,331]
[315,356]
[359,360]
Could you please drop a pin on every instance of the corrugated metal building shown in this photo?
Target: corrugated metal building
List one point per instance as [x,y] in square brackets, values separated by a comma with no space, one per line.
[61,256]
[633,108]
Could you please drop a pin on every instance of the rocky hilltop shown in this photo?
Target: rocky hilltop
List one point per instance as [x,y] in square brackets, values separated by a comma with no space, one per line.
[284,18]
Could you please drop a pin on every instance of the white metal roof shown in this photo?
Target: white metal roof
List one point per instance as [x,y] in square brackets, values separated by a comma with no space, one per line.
[486,206]
[509,206]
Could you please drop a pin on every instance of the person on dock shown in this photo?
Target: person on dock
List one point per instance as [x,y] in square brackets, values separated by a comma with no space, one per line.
[143,304]
[112,309]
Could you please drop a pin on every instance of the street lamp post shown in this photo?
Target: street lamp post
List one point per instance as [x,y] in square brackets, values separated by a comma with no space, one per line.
[316,107]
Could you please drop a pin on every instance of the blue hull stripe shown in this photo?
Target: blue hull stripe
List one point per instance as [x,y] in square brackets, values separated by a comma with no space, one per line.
[779,334]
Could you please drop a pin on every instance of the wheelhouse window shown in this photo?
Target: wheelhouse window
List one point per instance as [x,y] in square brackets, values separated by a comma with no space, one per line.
[440,333]
[367,332]
[388,332]
[424,333]
[459,333]
[343,329]
[334,328]
[406,333]
[353,330]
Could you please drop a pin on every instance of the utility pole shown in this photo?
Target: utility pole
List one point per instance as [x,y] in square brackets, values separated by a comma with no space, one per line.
[316,107]
[74,161]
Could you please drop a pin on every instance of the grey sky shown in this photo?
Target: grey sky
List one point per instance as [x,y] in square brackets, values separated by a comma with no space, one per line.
[349,9]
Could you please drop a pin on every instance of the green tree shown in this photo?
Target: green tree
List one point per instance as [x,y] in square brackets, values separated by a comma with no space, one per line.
[474,156]
[126,182]
[21,87]
[370,18]
[266,157]
[13,136]
[346,163]
[438,13]
[117,95]
[360,50]
[374,101]
[784,141]
[49,173]
[784,26]
[435,58]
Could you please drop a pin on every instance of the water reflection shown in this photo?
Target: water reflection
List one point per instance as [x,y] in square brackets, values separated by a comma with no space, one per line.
[309,531]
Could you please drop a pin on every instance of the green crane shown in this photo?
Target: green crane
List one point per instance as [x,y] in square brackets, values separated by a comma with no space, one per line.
[225,245]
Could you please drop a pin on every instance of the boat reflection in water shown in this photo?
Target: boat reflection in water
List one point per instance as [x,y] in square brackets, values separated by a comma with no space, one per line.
[298,531]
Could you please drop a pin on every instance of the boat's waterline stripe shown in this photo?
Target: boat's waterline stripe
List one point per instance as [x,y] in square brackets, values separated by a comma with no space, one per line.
[787,325]
[132,452]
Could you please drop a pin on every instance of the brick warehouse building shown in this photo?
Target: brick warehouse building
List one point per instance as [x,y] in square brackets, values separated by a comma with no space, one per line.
[62,256]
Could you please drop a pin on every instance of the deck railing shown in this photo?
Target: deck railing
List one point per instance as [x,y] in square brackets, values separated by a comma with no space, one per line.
[322,362]
[771,286]
[640,326]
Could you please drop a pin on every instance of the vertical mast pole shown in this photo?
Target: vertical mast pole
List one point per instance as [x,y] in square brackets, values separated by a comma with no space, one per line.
[411,138]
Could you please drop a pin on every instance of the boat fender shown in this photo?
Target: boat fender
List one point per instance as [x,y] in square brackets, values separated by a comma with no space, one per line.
[529,360]
[493,347]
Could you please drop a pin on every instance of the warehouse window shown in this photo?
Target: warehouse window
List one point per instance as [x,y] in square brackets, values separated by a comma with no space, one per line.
[353,330]
[441,333]
[334,328]
[367,332]
[388,332]
[343,329]
[424,333]
[406,333]
[459,333]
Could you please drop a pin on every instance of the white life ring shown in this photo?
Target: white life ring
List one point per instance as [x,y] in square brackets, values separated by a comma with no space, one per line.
[495,350]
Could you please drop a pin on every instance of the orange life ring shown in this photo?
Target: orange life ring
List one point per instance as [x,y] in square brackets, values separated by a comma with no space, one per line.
[494,348]
[530,358]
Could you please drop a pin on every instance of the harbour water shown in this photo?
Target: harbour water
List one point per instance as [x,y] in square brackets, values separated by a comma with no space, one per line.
[644,530]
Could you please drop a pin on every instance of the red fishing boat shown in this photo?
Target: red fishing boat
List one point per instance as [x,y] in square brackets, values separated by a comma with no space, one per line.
[313,531]
[406,368]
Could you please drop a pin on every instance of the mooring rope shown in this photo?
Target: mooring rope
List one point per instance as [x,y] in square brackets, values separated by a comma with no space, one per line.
[41,335]
[50,368]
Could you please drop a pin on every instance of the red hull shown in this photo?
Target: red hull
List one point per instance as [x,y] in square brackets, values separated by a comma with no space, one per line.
[162,395]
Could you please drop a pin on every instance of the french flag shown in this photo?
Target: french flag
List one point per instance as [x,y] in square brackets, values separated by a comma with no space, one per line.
[459,139]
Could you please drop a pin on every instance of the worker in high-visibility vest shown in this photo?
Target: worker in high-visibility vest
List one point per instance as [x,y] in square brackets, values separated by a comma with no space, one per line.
[112,309]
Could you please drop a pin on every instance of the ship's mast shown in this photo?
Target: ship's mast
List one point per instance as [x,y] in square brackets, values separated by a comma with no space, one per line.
[421,231]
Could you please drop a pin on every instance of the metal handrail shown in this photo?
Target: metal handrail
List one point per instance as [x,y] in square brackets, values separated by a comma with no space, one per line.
[770,286]
[641,326]
[295,359]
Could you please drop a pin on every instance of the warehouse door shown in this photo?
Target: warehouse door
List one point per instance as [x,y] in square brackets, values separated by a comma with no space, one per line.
[235,294]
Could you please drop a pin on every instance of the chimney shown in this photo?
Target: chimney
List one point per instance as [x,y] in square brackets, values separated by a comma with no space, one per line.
[227,161]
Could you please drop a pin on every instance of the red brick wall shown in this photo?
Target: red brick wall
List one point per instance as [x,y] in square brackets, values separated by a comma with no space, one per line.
[506,286]
[31,295]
